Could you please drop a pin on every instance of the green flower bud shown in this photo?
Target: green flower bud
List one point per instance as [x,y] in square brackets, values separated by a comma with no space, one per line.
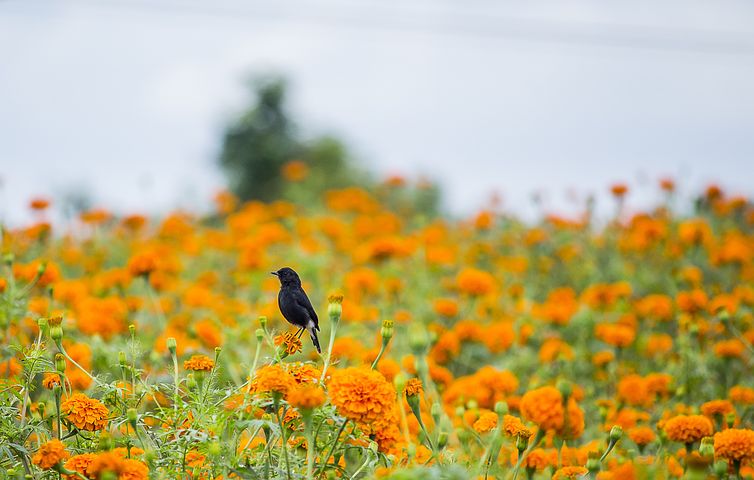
[263,322]
[172,345]
[215,449]
[42,323]
[616,433]
[122,359]
[521,443]
[436,411]
[593,462]
[41,268]
[501,408]
[387,330]
[8,259]
[133,416]
[335,307]
[442,439]
[565,389]
[730,419]
[373,447]
[707,447]
[720,468]
[418,340]
[56,334]
[260,334]
[59,363]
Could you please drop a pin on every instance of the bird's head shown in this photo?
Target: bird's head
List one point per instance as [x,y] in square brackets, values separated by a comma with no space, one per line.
[287,276]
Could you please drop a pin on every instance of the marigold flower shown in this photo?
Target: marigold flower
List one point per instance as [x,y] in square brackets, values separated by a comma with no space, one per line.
[50,380]
[641,435]
[85,413]
[361,394]
[633,390]
[688,429]
[79,463]
[122,468]
[50,454]
[742,395]
[306,396]
[143,264]
[570,472]
[475,282]
[272,379]
[290,342]
[199,363]
[303,372]
[735,445]
[732,348]
[413,387]
[544,406]
[717,407]
[486,422]
[513,427]
[295,171]
[446,307]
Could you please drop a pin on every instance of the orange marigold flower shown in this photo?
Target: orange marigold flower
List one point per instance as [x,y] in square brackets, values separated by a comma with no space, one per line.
[513,427]
[39,203]
[641,435]
[617,335]
[733,348]
[85,413]
[199,363]
[717,407]
[633,390]
[742,395]
[122,468]
[290,342]
[50,380]
[303,372]
[50,454]
[570,472]
[446,307]
[413,387]
[735,445]
[475,282]
[619,189]
[544,406]
[295,171]
[361,394]
[143,263]
[688,428]
[486,422]
[272,379]
[600,359]
[306,396]
[79,463]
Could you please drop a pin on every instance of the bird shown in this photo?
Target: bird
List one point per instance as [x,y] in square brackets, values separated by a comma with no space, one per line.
[295,305]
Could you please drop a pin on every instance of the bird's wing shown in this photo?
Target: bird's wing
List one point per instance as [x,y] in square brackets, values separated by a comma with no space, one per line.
[303,301]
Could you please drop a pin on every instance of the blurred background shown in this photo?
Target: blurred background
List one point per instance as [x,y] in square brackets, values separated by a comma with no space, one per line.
[146,106]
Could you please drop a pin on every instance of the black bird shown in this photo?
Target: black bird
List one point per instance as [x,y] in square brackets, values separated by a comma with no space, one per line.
[295,305]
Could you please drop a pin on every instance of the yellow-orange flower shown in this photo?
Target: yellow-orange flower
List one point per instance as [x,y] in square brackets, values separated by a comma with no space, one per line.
[486,422]
[475,282]
[85,413]
[742,395]
[413,387]
[50,380]
[735,445]
[513,427]
[544,406]
[114,463]
[290,342]
[295,171]
[306,396]
[199,363]
[688,428]
[641,435]
[570,472]
[272,379]
[717,407]
[361,394]
[79,463]
[50,454]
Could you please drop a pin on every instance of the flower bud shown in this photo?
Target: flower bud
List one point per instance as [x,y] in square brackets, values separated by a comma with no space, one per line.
[133,416]
[60,363]
[132,330]
[442,439]
[122,359]
[436,411]
[8,259]
[41,268]
[387,330]
[418,340]
[373,447]
[501,408]
[172,345]
[460,411]
[565,389]
[616,433]
[106,441]
[334,306]
[42,323]
[593,462]
[720,468]
[259,334]
[263,322]
[730,419]
[56,334]
[522,442]
[707,447]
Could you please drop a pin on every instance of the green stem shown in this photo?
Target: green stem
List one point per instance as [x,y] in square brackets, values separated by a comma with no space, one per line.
[285,440]
[332,447]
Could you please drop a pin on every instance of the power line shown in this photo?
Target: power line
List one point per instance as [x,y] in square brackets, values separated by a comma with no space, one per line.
[592,34]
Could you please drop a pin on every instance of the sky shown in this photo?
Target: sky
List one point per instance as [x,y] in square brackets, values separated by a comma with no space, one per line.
[127,99]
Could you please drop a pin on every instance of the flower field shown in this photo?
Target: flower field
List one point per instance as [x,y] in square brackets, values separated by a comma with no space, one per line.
[483,347]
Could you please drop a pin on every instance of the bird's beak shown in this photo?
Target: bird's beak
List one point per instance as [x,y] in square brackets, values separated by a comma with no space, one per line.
[274,273]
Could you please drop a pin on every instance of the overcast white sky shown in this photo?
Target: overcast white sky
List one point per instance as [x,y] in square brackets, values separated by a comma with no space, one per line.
[128,98]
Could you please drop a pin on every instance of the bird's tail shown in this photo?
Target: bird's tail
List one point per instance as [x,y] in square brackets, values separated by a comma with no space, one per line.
[313,333]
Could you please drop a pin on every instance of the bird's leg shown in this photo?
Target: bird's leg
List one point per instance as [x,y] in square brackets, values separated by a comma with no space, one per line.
[300,331]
